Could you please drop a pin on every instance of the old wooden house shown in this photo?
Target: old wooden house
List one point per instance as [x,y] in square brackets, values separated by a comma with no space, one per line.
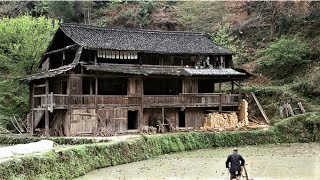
[93,77]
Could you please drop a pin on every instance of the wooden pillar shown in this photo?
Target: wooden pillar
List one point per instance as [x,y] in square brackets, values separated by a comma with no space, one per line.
[46,111]
[214,88]
[96,92]
[63,58]
[95,58]
[162,115]
[220,84]
[90,86]
[32,89]
[140,119]
[232,86]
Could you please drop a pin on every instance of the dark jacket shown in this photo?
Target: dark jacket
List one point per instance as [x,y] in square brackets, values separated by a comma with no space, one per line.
[236,162]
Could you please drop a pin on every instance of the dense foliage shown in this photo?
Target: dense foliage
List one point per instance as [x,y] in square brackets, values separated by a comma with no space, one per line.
[283,57]
[22,42]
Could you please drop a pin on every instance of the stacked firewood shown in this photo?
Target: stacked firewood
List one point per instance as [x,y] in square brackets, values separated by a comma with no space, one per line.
[104,128]
[221,121]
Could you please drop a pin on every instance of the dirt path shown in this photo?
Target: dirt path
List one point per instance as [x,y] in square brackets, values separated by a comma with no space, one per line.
[286,161]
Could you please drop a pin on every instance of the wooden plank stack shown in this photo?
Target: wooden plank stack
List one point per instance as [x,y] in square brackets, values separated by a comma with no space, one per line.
[221,121]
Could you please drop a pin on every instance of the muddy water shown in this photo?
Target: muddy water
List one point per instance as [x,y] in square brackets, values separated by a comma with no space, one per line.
[285,161]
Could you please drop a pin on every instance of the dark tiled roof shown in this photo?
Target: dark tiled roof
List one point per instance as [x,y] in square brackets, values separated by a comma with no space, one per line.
[169,42]
[170,71]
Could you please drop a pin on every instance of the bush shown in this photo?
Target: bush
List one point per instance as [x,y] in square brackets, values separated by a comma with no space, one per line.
[283,57]
[10,140]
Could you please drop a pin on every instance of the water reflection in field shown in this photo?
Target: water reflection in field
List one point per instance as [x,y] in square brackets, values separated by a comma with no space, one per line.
[285,161]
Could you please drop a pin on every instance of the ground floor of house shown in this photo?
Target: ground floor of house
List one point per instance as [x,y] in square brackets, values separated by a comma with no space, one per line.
[90,121]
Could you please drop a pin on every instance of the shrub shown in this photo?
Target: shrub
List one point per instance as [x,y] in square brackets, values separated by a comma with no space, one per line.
[283,57]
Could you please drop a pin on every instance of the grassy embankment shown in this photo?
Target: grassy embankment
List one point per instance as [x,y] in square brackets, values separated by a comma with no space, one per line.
[80,159]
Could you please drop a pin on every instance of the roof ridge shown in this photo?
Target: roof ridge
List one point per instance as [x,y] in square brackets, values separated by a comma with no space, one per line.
[132,30]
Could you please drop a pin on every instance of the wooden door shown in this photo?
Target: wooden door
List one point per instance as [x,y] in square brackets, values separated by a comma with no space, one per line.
[117,117]
[83,121]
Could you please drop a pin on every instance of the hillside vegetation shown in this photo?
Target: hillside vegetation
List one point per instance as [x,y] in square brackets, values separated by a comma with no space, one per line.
[278,42]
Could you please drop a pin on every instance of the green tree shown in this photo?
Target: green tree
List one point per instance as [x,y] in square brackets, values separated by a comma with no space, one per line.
[283,57]
[22,42]
[71,11]
[224,37]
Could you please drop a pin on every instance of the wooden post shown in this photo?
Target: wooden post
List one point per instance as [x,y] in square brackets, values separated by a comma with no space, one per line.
[32,122]
[32,88]
[162,115]
[96,91]
[290,109]
[90,86]
[301,107]
[140,119]
[46,111]
[232,86]
[95,58]
[63,58]
[281,109]
[220,84]
[260,108]
[220,103]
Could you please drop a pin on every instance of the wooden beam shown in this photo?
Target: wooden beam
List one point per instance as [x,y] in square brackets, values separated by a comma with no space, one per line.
[61,49]
[260,108]
[232,86]
[32,88]
[96,91]
[46,111]
[39,85]
[162,115]
[95,58]
[301,107]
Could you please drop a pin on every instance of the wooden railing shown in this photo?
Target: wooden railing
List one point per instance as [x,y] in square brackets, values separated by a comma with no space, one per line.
[209,99]
[162,100]
[183,99]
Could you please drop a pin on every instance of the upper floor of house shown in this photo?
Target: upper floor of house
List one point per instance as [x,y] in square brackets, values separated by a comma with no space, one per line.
[126,47]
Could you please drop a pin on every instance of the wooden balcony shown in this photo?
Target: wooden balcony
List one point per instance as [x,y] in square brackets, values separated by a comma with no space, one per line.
[62,101]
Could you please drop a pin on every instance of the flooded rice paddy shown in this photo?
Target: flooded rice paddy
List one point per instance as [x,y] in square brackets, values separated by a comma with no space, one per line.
[265,162]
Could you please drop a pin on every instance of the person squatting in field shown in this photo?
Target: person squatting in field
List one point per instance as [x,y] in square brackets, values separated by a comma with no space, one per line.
[234,163]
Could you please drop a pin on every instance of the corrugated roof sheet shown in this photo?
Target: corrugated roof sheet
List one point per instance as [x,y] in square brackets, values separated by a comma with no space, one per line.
[171,71]
[50,73]
[170,42]
[135,70]
[213,71]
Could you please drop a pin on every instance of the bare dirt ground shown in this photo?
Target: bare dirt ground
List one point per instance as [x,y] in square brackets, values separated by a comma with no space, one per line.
[265,162]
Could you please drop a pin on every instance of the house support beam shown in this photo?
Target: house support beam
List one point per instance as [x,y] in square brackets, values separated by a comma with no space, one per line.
[162,115]
[232,86]
[32,87]
[46,111]
[61,49]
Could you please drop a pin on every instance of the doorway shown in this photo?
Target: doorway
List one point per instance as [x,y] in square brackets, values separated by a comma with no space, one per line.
[132,120]
[182,118]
